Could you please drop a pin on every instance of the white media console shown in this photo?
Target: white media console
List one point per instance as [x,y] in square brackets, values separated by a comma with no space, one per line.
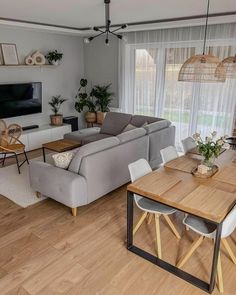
[34,138]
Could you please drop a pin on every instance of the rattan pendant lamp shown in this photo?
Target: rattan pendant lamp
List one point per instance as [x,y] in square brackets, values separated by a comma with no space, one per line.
[202,67]
[229,64]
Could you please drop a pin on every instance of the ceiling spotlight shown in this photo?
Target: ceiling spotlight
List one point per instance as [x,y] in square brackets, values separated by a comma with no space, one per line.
[107,29]
[86,40]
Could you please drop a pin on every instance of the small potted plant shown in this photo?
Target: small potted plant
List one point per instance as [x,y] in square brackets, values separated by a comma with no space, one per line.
[103,99]
[55,103]
[54,57]
[85,102]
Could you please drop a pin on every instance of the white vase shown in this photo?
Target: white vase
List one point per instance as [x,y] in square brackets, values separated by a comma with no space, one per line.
[55,62]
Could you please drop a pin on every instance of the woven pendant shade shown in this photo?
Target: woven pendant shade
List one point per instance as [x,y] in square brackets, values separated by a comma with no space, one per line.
[229,64]
[202,68]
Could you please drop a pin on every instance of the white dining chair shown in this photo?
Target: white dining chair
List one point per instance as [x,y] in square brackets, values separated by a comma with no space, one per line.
[188,144]
[169,153]
[137,170]
[207,230]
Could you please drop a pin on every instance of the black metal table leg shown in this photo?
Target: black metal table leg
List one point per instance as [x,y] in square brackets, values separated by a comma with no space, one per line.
[44,156]
[215,257]
[130,213]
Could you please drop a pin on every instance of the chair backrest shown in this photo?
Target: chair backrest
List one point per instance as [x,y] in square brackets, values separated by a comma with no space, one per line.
[138,169]
[229,223]
[169,153]
[9,135]
[188,144]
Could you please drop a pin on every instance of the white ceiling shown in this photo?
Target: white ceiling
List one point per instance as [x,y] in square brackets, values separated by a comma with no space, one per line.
[87,13]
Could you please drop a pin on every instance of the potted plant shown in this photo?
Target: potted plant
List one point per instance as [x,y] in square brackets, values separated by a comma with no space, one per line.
[103,99]
[210,148]
[55,103]
[85,101]
[54,57]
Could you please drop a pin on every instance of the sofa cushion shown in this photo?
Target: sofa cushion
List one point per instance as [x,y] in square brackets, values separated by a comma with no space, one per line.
[157,126]
[128,128]
[91,148]
[132,134]
[94,137]
[139,121]
[80,134]
[114,123]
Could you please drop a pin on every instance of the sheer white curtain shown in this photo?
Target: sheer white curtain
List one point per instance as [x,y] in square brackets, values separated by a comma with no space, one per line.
[149,66]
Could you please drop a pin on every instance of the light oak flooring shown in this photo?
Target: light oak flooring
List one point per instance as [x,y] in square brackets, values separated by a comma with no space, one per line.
[46,251]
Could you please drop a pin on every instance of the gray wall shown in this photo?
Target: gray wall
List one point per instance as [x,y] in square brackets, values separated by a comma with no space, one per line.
[63,79]
[101,64]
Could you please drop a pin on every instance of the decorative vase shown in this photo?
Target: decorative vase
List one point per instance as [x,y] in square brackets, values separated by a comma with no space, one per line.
[100,117]
[56,120]
[209,163]
[90,117]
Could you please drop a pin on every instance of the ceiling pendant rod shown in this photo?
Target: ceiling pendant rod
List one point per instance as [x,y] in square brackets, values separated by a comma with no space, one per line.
[206,26]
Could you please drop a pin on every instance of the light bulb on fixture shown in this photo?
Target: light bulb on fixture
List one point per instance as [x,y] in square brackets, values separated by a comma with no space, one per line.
[86,41]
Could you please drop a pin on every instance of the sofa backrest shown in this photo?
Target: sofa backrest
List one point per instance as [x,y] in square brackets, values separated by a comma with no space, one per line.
[114,123]
[139,120]
[131,134]
[91,148]
[156,126]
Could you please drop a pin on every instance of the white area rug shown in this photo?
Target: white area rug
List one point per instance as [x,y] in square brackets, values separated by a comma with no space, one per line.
[16,187]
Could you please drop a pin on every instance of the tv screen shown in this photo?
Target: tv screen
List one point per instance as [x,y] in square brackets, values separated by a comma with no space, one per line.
[20,99]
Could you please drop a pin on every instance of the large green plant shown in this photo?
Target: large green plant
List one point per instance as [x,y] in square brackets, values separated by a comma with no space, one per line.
[54,56]
[84,101]
[103,97]
[56,103]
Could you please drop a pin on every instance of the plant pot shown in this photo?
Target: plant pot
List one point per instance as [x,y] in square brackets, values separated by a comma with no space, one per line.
[100,117]
[56,120]
[90,117]
[54,62]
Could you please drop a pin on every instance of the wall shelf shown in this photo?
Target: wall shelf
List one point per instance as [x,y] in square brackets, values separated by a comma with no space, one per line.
[27,66]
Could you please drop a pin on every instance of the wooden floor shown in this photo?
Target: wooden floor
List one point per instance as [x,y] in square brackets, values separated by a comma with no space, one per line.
[44,250]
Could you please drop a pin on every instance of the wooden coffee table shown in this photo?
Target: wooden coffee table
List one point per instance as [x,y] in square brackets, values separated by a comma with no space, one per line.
[60,146]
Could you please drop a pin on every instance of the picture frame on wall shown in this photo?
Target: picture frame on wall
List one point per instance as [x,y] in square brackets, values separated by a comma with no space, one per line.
[9,54]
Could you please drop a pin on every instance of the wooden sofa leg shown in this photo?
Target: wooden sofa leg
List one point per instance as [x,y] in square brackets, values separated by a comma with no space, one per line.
[39,195]
[74,211]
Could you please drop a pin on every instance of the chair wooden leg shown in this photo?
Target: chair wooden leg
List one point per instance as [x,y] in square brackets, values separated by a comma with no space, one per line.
[158,235]
[194,246]
[74,211]
[150,218]
[229,250]
[38,195]
[219,275]
[141,220]
[171,225]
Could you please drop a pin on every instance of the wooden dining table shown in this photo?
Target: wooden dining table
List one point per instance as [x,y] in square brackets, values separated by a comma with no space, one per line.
[210,199]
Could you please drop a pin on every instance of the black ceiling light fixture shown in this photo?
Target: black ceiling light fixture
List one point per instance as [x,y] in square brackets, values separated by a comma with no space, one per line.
[107,30]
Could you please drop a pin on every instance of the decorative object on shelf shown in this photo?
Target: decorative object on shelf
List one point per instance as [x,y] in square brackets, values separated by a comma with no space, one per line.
[107,30]
[54,57]
[85,101]
[202,67]
[210,148]
[9,54]
[38,58]
[230,65]
[103,99]
[29,61]
[55,103]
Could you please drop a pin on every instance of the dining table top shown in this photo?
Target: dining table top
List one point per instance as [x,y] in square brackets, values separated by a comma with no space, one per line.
[174,185]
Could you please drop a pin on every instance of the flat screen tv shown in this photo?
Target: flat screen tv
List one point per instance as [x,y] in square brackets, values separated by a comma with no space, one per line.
[20,99]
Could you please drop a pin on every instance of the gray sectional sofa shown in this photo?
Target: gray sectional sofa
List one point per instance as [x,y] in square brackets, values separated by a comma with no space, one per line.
[101,164]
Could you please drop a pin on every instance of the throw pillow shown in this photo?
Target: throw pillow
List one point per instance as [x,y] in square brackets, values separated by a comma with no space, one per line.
[128,128]
[62,160]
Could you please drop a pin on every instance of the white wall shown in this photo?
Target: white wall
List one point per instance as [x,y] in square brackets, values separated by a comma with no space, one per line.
[101,64]
[63,79]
